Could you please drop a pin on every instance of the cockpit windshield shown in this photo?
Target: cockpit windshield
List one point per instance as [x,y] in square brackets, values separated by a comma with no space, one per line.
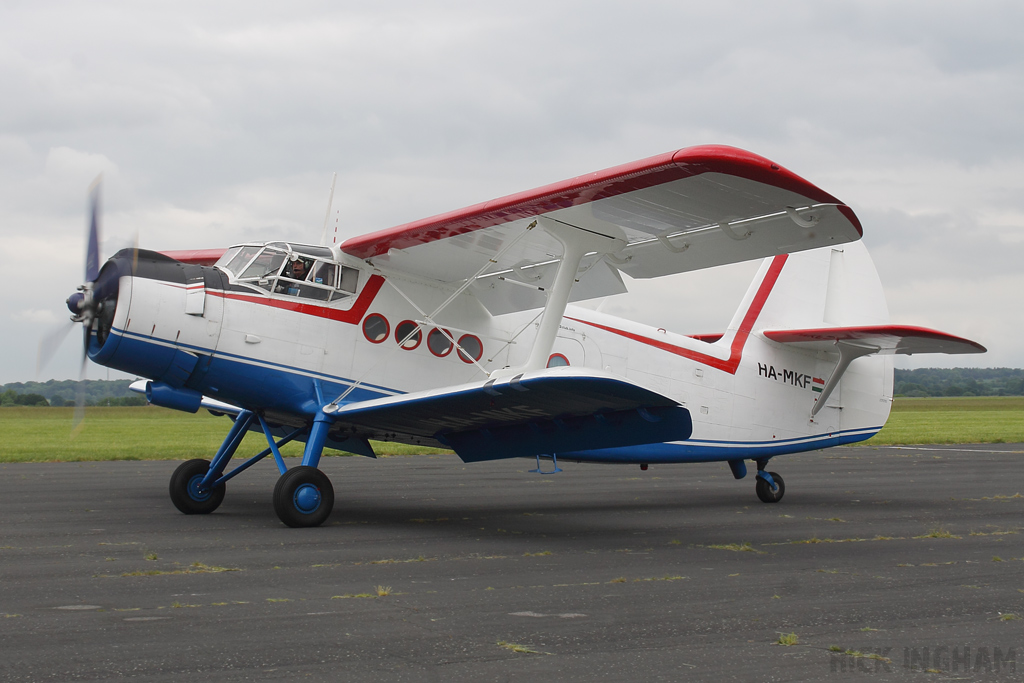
[304,271]
[267,263]
[236,258]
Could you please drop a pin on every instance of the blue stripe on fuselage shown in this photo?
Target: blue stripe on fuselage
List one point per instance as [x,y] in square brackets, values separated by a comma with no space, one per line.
[252,383]
[717,451]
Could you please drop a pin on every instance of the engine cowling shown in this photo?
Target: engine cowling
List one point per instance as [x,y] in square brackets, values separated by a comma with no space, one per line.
[153,317]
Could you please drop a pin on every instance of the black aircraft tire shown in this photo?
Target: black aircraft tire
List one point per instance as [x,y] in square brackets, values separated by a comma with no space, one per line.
[303,497]
[184,494]
[764,491]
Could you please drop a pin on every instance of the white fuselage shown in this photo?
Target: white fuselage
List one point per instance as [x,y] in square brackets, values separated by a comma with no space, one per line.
[746,394]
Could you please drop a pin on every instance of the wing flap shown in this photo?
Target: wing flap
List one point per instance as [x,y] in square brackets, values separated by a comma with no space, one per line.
[558,409]
[899,339]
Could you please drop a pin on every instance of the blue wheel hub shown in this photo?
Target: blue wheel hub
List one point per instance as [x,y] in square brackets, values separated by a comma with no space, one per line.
[195,493]
[306,499]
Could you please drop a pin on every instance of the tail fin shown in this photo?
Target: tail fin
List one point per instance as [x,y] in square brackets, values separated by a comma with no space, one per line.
[820,287]
[830,301]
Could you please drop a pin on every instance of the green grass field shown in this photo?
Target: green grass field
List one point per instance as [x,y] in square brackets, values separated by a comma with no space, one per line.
[148,433]
[138,433]
[974,419]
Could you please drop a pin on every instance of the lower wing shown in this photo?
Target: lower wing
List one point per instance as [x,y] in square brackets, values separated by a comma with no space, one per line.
[538,413]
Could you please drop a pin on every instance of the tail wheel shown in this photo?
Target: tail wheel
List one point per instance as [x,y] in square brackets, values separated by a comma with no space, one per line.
[185,492]
[764,489]
[303,496]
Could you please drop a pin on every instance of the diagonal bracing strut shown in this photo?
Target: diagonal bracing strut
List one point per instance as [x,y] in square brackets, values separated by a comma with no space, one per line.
[333,405]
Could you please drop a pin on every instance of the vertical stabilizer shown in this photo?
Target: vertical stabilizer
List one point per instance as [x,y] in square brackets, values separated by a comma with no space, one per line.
[817,288]
[833,287]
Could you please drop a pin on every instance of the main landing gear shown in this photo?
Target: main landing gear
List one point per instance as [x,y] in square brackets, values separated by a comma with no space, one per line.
[303,496]
[769,485]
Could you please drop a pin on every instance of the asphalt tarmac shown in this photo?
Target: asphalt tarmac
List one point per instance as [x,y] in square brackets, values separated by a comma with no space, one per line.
[431,570]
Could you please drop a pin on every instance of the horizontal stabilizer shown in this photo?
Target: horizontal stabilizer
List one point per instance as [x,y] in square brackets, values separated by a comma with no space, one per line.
[853,342]
[538,413]
[902,339]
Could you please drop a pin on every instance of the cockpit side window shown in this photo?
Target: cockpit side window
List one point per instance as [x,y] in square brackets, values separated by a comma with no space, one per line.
[297,277]
[324,274]
[349,280]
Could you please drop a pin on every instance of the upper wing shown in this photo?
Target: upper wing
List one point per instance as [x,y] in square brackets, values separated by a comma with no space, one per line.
[685,210]
[199,257]
[549,411]
[903,339]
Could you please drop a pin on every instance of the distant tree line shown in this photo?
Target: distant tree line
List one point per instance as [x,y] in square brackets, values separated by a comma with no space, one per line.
[959,382]
[97,392]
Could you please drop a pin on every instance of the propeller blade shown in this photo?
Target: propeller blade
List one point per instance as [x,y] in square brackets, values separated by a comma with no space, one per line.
[79,414]
[92,250]
[49,344]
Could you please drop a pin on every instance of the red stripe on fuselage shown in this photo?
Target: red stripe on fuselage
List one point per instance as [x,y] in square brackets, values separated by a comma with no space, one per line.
[351,316]
[731,363]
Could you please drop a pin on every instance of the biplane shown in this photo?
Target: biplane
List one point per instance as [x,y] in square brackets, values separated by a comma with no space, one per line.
[458,331]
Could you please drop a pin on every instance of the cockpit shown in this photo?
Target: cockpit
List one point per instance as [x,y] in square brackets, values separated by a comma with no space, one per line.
[283,268]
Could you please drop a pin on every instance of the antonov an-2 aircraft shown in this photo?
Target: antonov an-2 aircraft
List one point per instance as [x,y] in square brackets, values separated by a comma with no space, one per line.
[456,331]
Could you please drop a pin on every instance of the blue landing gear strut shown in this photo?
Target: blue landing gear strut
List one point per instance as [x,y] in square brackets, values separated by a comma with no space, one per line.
[303,495]
[770,487]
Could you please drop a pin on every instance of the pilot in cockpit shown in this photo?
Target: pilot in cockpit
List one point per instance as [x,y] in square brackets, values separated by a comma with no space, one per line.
[297,270]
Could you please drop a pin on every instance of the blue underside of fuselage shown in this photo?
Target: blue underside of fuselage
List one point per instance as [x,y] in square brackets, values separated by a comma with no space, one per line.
[260,385]
[252,384]
[699,450]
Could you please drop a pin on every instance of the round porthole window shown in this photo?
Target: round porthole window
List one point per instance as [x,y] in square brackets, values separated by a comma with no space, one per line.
[470,348]
[557,360]
[376,328]
[439,343]
[402,332]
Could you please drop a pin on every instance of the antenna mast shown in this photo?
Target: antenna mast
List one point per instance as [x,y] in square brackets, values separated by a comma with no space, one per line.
[327,216]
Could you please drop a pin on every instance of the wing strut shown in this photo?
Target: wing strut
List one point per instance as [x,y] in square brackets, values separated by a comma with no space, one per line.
[576,243]
[847,354]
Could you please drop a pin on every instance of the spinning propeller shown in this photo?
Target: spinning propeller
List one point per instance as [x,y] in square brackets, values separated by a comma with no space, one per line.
[93,304]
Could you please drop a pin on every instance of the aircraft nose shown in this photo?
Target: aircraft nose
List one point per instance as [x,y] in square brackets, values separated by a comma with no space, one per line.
[75,302]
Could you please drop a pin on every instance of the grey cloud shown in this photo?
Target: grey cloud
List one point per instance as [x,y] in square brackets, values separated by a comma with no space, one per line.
[222,122]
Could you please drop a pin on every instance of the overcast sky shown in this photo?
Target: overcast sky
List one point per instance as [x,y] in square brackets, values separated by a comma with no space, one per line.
[215,123]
